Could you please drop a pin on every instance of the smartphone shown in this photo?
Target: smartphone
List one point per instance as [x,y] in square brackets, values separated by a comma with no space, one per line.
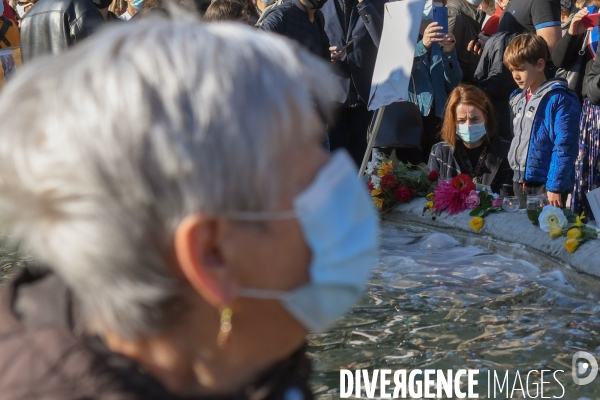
[440,15]
[590,20]
[348,43]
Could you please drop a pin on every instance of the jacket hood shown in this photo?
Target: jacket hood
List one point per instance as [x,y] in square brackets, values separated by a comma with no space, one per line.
[548,86]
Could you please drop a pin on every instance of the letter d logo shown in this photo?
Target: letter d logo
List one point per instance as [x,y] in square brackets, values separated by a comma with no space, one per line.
[579,369]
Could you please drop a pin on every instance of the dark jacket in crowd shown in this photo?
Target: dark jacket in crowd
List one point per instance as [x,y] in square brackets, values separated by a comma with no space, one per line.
[496,81]
[45,356]
[290,19]
[565,56]
[496,172]
[465,22]
[52,26]
[546,134]
[591,83]
[365,21]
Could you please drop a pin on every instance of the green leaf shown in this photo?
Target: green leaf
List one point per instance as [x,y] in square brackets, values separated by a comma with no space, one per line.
[569,214]
[476,211]
[534,216]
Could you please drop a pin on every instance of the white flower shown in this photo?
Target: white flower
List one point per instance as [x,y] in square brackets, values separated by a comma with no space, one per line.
[489,191]
[379,156]
[375,180]
[552,214]
[370,168]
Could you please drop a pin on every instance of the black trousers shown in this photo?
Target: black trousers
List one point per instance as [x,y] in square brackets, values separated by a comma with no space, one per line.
[431,136]
[350,131]
[534,188]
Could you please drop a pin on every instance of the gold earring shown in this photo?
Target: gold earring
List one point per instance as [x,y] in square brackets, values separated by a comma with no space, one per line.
[223,338]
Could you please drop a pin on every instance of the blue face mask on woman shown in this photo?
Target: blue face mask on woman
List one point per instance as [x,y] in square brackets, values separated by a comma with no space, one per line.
[471,133]
[341,227]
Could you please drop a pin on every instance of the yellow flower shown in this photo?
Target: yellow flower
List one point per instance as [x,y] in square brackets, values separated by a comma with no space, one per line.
[375,192]
[555,230]
[574,233]
[378,202]
[385,169]
[476,223]
[571,245]
[429,205]
[430,196]
[579,218]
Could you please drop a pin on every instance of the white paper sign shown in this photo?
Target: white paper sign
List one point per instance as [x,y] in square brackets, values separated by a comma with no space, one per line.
[594,200]
[395,56]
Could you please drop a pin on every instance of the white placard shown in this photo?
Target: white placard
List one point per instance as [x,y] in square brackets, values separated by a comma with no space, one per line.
[395,56]
[594,200]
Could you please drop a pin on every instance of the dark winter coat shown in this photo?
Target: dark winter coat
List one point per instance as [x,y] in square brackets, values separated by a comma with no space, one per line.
[465,22]
[52,26]
[496,81]
[291,19]
[497,173]
[565,56]
[591,83]
[366,23]
[44,354]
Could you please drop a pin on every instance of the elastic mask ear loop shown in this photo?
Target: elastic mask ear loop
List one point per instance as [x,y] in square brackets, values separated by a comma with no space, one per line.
[258,216]
[265,294]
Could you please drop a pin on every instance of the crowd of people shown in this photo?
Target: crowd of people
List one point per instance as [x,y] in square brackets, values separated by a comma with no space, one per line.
[189,191]
[473,51]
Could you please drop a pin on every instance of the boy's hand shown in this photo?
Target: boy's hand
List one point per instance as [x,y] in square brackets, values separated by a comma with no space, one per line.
[555,199]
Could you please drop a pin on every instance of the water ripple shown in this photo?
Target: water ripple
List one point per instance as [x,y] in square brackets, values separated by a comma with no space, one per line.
[433,303]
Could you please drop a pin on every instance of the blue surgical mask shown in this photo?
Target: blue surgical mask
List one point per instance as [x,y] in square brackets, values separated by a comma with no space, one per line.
[428,10]
[341,227]
[471,133]
[138,4]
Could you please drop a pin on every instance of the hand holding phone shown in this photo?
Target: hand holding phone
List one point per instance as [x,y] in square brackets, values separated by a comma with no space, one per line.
[348,43]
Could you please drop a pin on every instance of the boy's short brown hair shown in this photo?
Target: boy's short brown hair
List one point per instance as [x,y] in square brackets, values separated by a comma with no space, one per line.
[525,48]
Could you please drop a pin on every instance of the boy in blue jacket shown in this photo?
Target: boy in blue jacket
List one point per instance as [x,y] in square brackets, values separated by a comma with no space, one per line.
[545,116]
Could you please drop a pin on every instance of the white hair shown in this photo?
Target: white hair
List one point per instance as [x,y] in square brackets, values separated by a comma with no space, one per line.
[120,138]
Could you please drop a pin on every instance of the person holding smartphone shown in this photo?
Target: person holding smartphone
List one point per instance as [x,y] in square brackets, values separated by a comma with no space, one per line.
[435,72]
[353,25]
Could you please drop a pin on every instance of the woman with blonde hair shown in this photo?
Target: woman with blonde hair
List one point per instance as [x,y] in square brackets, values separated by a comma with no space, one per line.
[470,144]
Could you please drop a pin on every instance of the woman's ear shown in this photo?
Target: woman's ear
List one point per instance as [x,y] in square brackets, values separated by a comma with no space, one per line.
[201,261]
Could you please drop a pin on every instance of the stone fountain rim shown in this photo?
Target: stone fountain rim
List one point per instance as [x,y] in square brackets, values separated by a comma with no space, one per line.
[511,235]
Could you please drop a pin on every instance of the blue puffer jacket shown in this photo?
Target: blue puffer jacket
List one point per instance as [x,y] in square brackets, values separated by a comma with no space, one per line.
[546,133]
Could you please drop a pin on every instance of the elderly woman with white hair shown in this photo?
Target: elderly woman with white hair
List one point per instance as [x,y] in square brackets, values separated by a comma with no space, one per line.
[189,229]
